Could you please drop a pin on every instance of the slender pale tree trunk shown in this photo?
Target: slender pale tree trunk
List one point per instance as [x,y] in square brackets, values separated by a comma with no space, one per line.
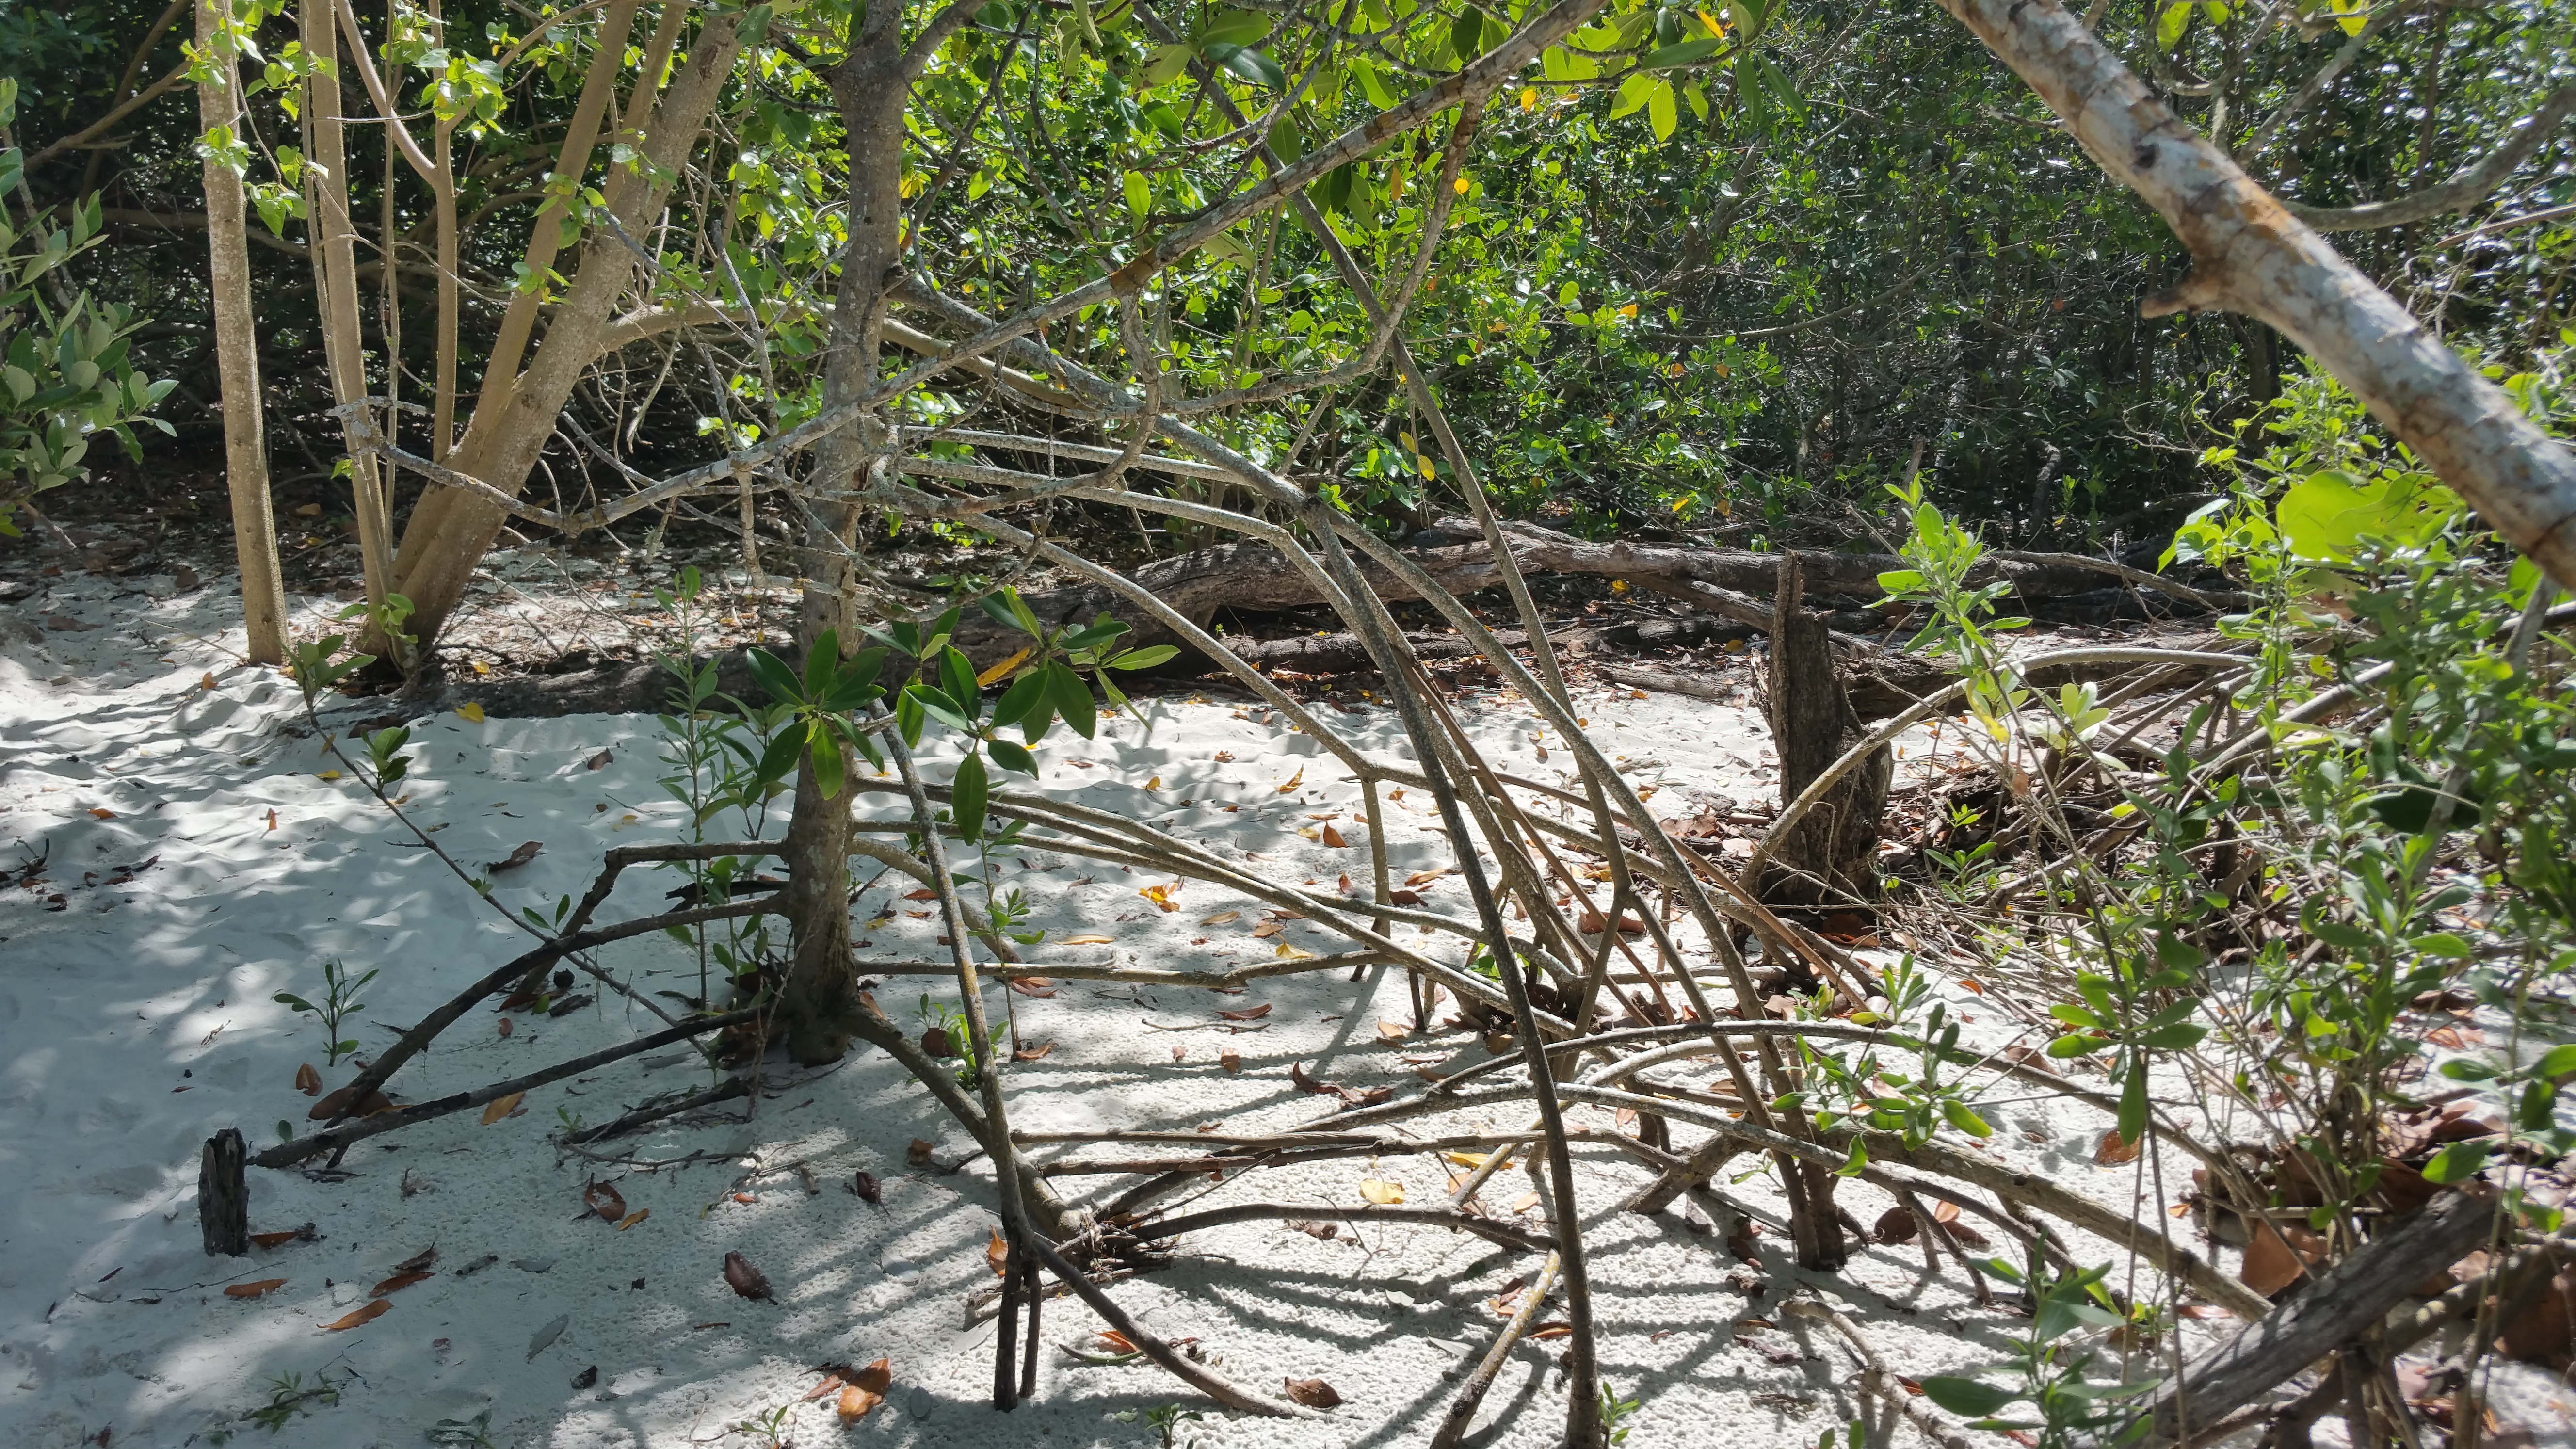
[870,87]
[335,281]
[237,355]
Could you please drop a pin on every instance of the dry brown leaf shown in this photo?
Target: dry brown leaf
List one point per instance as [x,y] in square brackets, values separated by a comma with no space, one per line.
[505,1026]
[830,1384]
[604,1199]
[856,1404]
[1294,781]
[1231,1060]
[1222,918]
[1425,877]
[1223,757]
[1393,1030]
[330,1105]
[1249,1013]
[631,1219]
[1179,1052]
[1945,1212]
[876,1378]
[997,1254]
[1552,1329]
[502,1106]
[743,1278]
[1032,1054]
[526,852]
[1523,1203]
[2278,1255]
[600,761]
[1896,1225]
[277,1239]
[1267,928]
[918,1152]
[397,1283]
[103,813]
[2114,1149]
[254,1290]
[1382,1192]
[368,1314]
[1037,987]
[1313,1393]
[1090,938]
[308,1081]
[923,894]
[1333,838]
[870,1190]
[1405,898]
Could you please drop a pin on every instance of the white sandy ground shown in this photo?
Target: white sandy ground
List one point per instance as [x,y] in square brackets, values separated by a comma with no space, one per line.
[138,1020]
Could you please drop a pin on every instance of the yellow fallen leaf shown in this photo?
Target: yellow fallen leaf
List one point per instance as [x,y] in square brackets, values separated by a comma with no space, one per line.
[631,1219]
[1380,1191]
[501,1107]
[1467,1159]
[1003,668]
[622,822]
[1524,1202]
[469,711]
[480,668]
[328,775]
[1092,938]
[1294,781]
[1287,952]
[1393,1031]
[1310,832]
[1161,896]
[1155,783]
[1222,918]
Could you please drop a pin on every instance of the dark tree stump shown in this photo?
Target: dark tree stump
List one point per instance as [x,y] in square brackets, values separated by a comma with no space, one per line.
[1831,856]
[223,1194]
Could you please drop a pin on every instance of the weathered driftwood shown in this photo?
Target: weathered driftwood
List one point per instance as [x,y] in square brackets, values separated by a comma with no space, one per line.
[223,1194]
[2354,1295]
[1832,855]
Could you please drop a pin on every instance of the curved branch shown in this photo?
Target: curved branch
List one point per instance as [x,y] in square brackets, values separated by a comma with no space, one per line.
[106,123]
[2465,189]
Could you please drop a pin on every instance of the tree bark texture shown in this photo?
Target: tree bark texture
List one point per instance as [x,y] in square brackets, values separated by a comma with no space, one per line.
[2350,1299]
[2251,255]
[1830,856]
[237,358]
[870,87]
[223,1194]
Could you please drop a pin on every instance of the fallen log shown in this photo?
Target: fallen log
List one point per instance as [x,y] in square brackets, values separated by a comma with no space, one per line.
[2353,1296]
[1251,578]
